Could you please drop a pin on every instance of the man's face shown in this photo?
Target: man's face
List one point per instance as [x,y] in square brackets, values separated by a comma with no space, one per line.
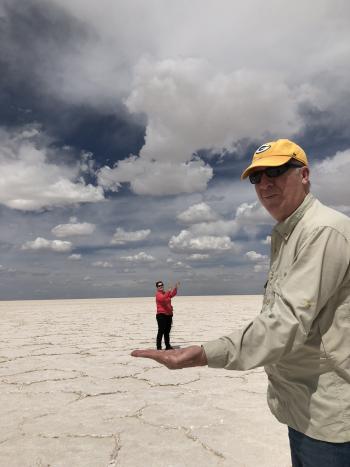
[282,195]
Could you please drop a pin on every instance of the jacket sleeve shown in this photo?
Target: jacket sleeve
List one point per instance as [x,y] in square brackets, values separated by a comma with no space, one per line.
[296,299]
[170,293]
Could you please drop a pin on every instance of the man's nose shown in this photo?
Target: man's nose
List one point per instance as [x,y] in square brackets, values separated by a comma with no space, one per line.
[265,181]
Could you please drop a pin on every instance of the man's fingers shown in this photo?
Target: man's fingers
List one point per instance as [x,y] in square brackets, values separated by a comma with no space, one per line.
[145,353]
[165,357]
[176,358]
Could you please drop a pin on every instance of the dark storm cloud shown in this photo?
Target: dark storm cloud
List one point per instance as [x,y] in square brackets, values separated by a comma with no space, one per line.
[325,132]
[32,35]
[109,136]
[230,164]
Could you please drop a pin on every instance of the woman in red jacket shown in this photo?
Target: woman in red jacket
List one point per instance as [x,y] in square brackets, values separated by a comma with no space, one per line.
[164,313]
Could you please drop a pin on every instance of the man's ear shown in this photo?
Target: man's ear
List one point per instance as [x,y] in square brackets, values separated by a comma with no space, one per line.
[305,175]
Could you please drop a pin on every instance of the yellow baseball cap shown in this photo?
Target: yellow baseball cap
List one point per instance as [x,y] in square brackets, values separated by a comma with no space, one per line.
[276,153]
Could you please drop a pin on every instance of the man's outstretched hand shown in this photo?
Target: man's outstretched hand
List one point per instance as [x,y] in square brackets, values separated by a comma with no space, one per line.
[176,358]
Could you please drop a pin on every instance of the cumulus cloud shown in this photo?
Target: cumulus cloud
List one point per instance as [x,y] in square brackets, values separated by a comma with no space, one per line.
[186,242]
[75,257]
[102,264]
[149,177]
[40,243]
[180,265]
[140,257]
[121,236]
[330,180]
[249,217]
[261,267]
[196,213]
[252,214]
[208,109]
[202,220]
[217,228]
[254,256]
[198,257]
[162,30]
[224,108]
[261,261]
[195,89]
[30,182]
[73,229]
[267,240]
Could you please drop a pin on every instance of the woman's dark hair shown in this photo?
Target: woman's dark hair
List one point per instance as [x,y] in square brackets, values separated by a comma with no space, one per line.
[159,283]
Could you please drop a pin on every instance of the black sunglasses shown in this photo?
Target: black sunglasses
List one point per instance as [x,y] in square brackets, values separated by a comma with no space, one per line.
[272,172]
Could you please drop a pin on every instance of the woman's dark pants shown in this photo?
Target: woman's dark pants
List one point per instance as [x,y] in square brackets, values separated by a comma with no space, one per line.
[164,326]
[309,452]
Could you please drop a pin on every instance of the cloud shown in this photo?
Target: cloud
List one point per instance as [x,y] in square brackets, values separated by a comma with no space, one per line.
[252,214]
[261,261]
[179,265]
[122,237]
[251,217]
[267,240]
[183,117]
[141,257]
[261,267]
[330,180]
[40,243]
[70,230]
[217,228]
[254,256]
[102,264]
[198,257]
[75,257]
[196,213]
[203,221]
[185,242]
[192,106]
[156,178]
[29,182]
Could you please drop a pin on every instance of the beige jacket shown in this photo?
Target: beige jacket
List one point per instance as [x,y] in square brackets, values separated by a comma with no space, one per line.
[302,335]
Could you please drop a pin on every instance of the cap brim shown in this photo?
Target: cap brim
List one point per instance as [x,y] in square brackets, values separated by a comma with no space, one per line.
[272,161]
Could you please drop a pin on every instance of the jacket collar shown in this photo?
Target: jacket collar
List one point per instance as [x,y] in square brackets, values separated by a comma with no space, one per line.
[286,227]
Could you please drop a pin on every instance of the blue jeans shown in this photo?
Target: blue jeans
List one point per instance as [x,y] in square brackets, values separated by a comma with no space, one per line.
[309,452]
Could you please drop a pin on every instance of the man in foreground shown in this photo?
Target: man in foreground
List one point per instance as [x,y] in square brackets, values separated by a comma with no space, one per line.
[302,335]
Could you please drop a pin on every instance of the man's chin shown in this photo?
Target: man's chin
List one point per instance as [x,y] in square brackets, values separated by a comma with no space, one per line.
[272,203]
[273,207]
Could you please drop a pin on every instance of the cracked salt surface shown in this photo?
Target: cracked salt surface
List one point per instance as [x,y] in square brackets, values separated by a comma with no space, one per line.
[71,395]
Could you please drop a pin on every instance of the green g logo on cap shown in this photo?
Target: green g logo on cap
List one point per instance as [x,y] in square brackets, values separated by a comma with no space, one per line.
[263,147]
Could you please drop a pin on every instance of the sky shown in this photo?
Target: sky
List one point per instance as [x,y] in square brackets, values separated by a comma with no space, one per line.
[125,127]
